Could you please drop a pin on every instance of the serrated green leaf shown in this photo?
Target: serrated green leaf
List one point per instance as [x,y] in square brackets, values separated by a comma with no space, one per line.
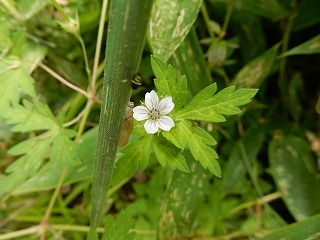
[198,141]
[311,46]
[180,133]
[25,146]
[206,93]
[294,172]
[15,84]
[125,167]
[205,107]
[28,164]
[63,150]
[169,24]
[177,135]
[29,117]
[139,151]
[204,136]
[119,228]
[166,82]
[49,175]
[205,155]
[169,154]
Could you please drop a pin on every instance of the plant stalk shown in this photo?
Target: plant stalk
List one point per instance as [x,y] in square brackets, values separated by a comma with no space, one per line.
[127,28]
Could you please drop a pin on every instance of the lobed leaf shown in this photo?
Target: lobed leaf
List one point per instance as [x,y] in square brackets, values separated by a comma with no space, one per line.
[166,82]
[198,141]
[168,154]
[205,107]
[30,116]
[119,228]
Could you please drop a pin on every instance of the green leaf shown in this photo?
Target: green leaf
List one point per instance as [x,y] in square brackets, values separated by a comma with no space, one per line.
[204,154]
[256,71]
[135,154]
[30,8]
[182,199]
[29,117]
[167,83]
[177,135]
[205,107]
[35,151]
[198,141]
[311,46]
[294,171]
[140,149]
[307,229]
[92,235]
[169,25]
[119,228]
[36,116]
[63,150]
[49,175]
[167,153]
[15,84]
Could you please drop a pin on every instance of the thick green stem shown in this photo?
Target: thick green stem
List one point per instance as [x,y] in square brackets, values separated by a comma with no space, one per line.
[125,40]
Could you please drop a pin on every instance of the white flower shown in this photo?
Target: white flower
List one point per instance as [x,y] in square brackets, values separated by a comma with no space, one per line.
[155,113]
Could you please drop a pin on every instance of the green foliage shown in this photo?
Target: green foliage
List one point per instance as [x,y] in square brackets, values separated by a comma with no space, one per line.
[205,106]
[311,46]
[307,229]
[294,172]
[119,228]
[169,24]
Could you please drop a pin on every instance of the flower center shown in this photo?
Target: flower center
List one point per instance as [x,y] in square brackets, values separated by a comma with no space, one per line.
[154,113]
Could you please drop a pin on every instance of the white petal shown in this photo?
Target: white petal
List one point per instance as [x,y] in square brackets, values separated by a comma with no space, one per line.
[151,126]
[140,113]
[165,123]
[152,100]
[166,105]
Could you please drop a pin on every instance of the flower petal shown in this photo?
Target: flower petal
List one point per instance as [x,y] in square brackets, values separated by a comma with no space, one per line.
[140,113]
[166,105]
[151,100]
[151,126]
[165,123]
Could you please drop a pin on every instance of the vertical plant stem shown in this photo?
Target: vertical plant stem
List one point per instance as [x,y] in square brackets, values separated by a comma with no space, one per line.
[285,44]
[84,51]
[126,36]
[227,19]
[206,19]
[98,46]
